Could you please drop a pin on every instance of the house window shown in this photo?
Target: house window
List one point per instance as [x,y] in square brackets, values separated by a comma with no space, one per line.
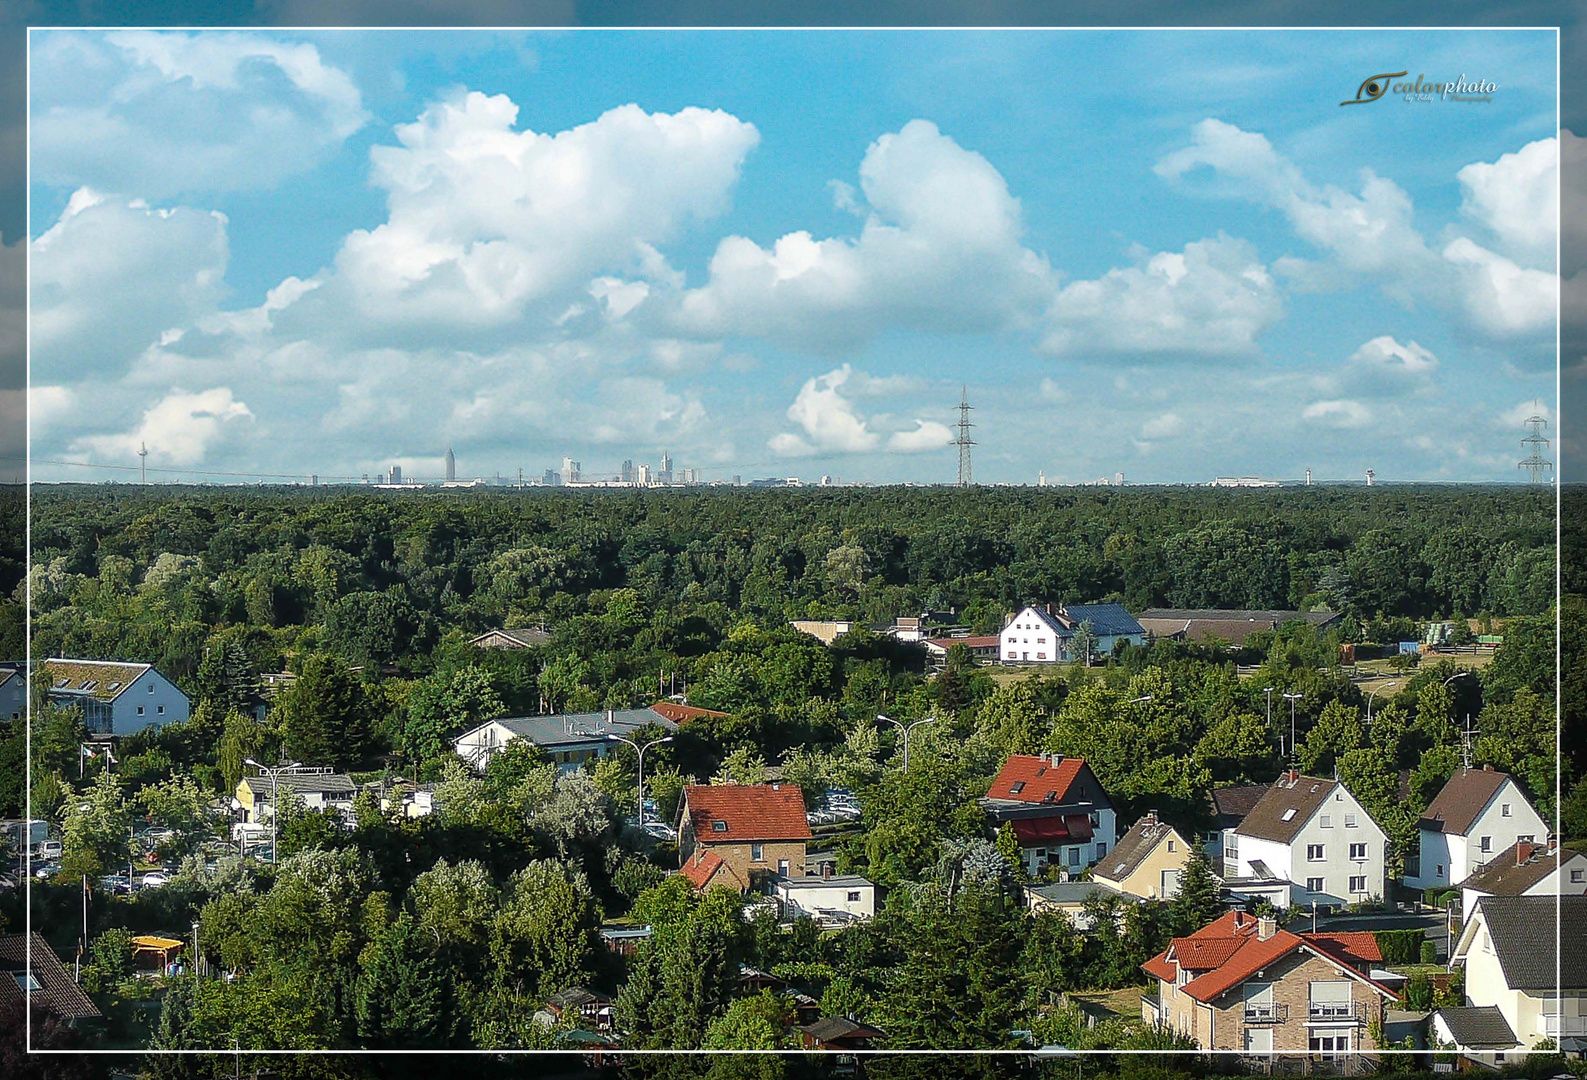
[1487,843]
[1438,871]
[1314,884]
[1314,853]
[1102,849]
[1358,884]
[1358,851]
[1170,847]
[719,826]
[1016,787]
[1074,856]
[140,710]
[1326,821]
[1504,810]
[1577,877]
[1350,821]
[151,688]
[160,709]
[854,896]
[25,980]
[757,853]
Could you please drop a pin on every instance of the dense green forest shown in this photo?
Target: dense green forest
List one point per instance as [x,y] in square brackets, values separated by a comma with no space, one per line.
[473,916]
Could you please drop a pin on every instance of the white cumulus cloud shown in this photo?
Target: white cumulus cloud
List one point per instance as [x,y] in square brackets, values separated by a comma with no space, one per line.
[830,422]
[1516,198]
[1213,299]
[1338,413]
[1384,366]
[940,249]
[178,429]
[163,112]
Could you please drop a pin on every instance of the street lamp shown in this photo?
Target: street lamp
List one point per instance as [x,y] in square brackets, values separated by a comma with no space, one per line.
[1292,698]
[1461,674]
[932,719]
[1374,694]
[640,750]
[1268,690]
[275,805]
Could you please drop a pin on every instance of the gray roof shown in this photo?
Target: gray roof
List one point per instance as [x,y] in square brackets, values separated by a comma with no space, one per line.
[326,783]
[842,881]
[1271,817]
[56,992]
[1075,892]
[1479,1027]
[1109,619]
[581,729]
[1509,874]
[1315,618]
[1133,848]
[1522,931]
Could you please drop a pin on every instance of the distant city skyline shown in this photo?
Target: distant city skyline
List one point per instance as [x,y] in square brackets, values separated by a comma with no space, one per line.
[1170,255]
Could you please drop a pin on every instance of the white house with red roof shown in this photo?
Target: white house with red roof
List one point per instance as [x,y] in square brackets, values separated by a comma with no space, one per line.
[1242,983]
[1057,809]
[1475,816]
[732,834]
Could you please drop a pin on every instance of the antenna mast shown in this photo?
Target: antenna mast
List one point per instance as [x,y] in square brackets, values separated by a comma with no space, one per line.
[1535,463]
[143,464]
[964,442]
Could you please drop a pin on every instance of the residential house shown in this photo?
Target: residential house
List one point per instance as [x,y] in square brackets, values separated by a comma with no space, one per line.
[1044,633]
[839,1033]
[1527,956]
[13,693]
[831,901]
[579,1006]
[920,627]
[568,739]
[1476,815]
[1230,627]
[1527,869]
[1057,809]
[37,976]
[319,788]
[983,648]
[1072,899]
[116,698]
[1307,840]
[1479,1033]
[1146,861]
[732,834]
[1242,983]
[1229,807]
[825,631]
[527,637]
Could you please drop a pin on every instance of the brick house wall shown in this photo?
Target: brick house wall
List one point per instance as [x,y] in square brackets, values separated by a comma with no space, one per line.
[1291,979]
[739,855]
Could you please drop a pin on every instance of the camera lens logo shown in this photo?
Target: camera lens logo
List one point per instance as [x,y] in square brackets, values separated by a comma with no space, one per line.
[1373,88]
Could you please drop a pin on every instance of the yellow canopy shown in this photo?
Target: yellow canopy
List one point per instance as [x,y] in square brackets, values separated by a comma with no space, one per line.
[150,941]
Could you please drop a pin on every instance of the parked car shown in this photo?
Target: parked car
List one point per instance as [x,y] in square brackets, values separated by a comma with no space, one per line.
[47,871]
[116,884]
[661,830]
[154,879]
[7,882]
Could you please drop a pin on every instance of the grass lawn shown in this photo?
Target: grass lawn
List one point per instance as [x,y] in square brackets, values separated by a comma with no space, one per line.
[1125,1002]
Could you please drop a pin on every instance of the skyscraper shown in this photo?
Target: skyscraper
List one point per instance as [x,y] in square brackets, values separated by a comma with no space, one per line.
[664,475]
[451,466]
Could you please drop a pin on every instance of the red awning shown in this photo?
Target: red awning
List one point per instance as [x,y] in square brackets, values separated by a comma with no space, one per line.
[1033,831]
[1079,826]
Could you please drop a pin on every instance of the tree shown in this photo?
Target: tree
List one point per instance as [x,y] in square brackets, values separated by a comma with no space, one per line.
[326,716]
[96,837]
[401,1002]
[544,937]
[444,704]
[760,1022]
[1199,899]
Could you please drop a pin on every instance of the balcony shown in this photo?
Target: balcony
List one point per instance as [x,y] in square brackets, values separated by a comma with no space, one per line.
[1556,1026]
[1335,1012]
[1265,1012]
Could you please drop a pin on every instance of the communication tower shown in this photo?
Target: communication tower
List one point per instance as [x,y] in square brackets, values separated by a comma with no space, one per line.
[964,442]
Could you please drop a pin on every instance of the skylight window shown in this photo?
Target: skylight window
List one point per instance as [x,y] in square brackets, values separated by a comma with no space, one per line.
[1289,814]
[719,826]
[1016,787]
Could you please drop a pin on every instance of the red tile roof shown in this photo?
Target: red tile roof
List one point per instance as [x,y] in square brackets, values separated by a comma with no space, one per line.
[980,641]
[750,811]
[671,710]
[1035,778]
[699,870]
[1229,951]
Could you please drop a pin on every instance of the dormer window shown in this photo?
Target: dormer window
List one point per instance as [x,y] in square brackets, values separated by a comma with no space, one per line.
[719,826]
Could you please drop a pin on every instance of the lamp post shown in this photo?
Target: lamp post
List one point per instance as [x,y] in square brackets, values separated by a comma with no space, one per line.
[1292,698]
[275,804]
[195,948]
[1268,691]
[1374,694]
[640,751]
[932,719]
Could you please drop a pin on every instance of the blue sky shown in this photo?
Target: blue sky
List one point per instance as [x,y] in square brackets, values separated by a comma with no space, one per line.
[1172,254]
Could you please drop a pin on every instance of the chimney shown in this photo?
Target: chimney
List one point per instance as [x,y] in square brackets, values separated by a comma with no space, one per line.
[1266,928]
[826,870]
[1523,851]
[1487,768]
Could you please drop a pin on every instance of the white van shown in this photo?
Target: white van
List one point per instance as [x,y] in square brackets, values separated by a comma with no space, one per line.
[49,849]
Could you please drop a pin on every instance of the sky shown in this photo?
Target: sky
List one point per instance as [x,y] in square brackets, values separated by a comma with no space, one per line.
[1172,254]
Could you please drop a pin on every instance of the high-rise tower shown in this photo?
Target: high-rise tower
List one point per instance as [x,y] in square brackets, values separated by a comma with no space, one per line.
[451,466]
